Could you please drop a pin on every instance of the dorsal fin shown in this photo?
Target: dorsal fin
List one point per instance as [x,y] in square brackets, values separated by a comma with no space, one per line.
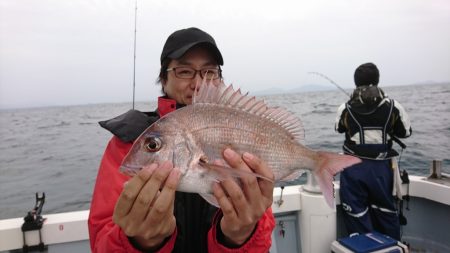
[220,94]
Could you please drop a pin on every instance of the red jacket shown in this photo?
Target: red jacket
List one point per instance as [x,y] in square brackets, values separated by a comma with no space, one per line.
[105,236]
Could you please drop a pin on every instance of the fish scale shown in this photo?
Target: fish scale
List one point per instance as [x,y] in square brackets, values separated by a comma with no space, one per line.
[194,136]
[264,137]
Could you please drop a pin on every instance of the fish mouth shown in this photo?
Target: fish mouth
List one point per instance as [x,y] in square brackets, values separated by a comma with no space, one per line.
[130,170]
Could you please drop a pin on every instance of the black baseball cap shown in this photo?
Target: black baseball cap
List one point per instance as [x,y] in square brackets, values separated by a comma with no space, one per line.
[366,74]
[179,42]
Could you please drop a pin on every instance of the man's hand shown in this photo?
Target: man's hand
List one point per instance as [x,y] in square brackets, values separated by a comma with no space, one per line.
[243,207]
[144,209]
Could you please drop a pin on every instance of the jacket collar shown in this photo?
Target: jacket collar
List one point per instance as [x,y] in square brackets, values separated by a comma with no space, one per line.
[166,105]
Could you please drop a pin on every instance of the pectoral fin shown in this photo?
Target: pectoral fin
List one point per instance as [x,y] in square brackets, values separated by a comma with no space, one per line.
[210,199]
[225,171]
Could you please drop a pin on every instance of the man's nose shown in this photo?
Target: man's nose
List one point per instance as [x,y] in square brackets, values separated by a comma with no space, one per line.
[196,81]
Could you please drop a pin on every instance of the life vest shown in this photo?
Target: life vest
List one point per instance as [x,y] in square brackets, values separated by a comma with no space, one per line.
[367,134]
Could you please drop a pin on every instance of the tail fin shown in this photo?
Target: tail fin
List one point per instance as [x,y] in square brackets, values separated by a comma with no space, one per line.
[329,164]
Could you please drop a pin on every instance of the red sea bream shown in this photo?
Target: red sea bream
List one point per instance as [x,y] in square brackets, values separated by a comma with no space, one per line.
[219,117]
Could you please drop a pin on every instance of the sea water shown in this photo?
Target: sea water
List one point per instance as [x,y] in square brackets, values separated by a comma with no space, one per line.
[57,150]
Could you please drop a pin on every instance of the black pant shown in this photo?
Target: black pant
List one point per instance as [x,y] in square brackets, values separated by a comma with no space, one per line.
[366,197]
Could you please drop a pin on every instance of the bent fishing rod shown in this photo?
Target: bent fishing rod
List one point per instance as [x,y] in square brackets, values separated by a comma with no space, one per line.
[331,81]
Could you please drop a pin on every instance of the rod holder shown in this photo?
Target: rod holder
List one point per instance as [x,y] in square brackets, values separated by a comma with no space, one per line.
[311,184]
[33,221]
[436,169]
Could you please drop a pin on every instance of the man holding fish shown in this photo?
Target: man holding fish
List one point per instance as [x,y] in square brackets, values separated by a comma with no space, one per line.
[203,166]
[145,213]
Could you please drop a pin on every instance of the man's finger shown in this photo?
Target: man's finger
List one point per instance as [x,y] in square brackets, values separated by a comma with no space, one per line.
[260,167]
[224,202]
[235,160]
[149,191]
[131,190]
[166,198]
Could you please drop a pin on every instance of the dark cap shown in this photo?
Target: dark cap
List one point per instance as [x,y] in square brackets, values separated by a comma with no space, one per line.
[367,74]
[179,42]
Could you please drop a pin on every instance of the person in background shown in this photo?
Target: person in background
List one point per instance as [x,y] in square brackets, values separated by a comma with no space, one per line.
[370,121]
[145,213]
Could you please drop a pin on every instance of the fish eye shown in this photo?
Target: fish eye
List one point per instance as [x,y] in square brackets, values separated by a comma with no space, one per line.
[153,144]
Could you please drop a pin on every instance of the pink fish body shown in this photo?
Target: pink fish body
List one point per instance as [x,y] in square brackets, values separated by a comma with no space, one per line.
[220,117]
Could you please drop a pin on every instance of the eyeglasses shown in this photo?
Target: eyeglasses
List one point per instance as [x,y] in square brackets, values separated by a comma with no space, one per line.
[189,73]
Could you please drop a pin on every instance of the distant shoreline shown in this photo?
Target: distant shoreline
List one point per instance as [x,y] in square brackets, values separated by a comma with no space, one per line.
[265,92]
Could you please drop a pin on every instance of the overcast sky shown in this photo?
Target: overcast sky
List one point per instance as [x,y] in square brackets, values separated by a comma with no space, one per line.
[55,52]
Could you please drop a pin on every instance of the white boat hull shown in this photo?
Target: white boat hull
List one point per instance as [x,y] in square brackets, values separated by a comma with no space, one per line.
[300,211]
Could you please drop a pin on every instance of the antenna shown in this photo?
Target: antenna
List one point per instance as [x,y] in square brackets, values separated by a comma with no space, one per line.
[134,60]
[331,81]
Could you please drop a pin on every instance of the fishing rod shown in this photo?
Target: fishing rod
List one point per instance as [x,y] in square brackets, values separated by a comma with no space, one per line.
[331,81]
[134,60]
